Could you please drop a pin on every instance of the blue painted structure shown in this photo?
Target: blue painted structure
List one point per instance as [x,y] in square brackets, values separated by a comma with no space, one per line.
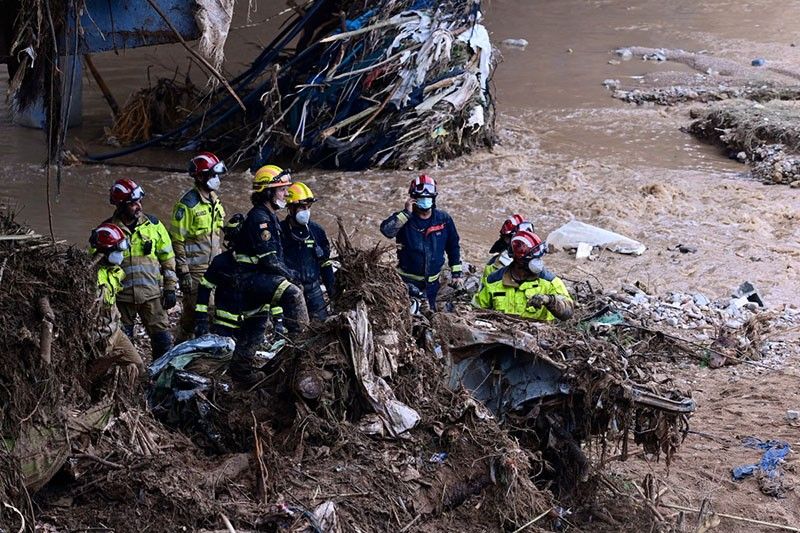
[111,25]
[118,24]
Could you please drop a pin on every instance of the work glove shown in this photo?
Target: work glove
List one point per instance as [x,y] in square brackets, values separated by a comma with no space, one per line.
[200,325]
[169,300]
[539,300]
[279,326]
[185,282]
[457,282]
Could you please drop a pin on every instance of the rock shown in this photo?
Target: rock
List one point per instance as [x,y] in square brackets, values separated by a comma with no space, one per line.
[624,53]
[742,156]
[655,56]
[792,415]
[795,184]
[611,84]
[758,62]
[700,299]
[515,43]
[672,321]
[686,249]
[614,62]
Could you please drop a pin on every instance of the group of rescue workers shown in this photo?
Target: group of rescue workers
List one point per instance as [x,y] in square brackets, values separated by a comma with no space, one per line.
[261,269]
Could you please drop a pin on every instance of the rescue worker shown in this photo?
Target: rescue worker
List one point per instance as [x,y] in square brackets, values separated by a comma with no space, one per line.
[525,288]
[195,230]
[502,247]
[306,249]
[424,234]
[149,263]
[259,251]
[241,307]
[108,245]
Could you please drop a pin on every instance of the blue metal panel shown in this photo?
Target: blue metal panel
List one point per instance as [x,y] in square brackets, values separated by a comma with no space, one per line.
[117,24]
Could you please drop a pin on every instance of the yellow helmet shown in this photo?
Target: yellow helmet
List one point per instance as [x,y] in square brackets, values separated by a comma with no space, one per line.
[299,193]
[271,176]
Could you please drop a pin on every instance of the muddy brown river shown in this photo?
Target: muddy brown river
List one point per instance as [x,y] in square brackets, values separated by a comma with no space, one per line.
[567,149]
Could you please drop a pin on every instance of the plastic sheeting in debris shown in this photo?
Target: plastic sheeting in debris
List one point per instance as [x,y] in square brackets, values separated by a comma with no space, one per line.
[395,416]
[775,451]
[574,233]
[213,346]
[214,17]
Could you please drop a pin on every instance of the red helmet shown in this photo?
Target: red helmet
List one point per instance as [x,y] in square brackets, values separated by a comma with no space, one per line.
[206,164]
[527,245]
[513,224]
[108,238]
[125,191]
[422,187]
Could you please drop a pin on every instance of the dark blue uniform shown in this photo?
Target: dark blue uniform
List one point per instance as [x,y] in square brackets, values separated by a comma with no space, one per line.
[422,245]
[306,250]
[242,302]
[259,243]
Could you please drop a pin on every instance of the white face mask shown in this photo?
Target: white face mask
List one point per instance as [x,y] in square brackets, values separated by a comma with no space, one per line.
[505,258]
[424,203]
[280,204]
[536,265]
[116,257]
[302,217]
[213,183]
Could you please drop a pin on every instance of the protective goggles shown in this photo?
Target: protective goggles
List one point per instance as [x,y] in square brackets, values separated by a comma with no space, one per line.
[285,172]
[424,189]
[136,194]
[219,168]
[537,252]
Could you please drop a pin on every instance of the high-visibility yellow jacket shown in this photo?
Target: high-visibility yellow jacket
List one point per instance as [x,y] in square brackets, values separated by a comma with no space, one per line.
[149,261]
[109,285]
[502,293]
[495,263]
[195,230]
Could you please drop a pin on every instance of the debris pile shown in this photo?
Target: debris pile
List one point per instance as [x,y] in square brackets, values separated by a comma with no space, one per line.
[46,309]
[153,111]
[397,85]
[723,331]
[360,423]
[764,135]
[716,79]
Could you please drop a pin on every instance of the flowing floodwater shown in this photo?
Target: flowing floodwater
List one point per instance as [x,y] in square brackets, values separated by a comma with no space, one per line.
[567,149]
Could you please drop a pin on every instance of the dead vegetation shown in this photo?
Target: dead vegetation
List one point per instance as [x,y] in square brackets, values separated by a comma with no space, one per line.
[154,110]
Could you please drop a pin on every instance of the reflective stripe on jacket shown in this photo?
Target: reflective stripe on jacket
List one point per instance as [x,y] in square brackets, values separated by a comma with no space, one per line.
[307,251]
[503,294]
[423,243]
[495,263]
[148,262]
[259,243]
[195,230]
[235,299]
[109,285]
